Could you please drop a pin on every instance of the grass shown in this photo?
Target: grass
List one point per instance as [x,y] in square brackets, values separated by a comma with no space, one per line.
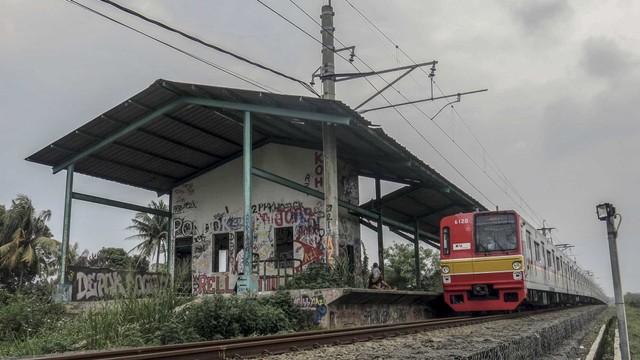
[633,328]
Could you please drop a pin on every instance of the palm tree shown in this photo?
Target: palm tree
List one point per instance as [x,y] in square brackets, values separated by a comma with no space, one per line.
[153,230]
[26,239]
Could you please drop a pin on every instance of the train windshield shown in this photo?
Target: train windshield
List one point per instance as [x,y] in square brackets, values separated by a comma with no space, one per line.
[496,232]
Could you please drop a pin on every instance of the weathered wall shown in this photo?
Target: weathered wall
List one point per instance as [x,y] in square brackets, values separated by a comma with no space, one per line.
[90,284]
[213,204]
[331,314]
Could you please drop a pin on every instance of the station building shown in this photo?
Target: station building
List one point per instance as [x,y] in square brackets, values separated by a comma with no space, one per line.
[214,150]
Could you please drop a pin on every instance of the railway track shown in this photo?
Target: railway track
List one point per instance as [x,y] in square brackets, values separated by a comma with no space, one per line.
[278,344]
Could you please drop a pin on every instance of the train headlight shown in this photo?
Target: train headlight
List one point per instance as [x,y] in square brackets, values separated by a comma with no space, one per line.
[516,265]
[445,269]
[446,279]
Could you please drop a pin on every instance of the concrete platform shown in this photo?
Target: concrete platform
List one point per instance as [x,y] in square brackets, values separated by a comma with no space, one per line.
[348,307]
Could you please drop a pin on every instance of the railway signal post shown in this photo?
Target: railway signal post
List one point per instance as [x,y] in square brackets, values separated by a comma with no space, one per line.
[607,212]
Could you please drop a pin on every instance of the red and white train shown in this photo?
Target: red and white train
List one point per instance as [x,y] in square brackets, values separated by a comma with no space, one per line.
[495,260]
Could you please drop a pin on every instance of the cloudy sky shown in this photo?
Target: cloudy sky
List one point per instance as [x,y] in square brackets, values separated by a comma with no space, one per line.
[556,134]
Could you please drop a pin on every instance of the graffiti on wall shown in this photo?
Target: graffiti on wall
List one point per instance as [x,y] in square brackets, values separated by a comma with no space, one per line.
[225,283]
[203,210]
[100,284]
[315,303]
[183,198]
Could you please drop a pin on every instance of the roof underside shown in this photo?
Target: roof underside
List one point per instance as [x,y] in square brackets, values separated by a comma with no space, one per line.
[191,139]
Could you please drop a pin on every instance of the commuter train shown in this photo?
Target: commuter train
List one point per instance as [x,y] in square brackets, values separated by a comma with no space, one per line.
[495,260]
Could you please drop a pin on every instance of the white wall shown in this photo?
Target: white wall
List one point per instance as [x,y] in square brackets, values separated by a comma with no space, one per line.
[213,204]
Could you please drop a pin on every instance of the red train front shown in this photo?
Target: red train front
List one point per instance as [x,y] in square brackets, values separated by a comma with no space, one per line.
[481,261]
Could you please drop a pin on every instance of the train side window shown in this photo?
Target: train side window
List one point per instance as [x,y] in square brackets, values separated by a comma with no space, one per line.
[529,244]
[537,251]
[446,241]
[549,260]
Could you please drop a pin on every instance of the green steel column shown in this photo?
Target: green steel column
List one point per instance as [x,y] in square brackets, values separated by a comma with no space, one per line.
[245,282]
[171,248]
[62,292]
[380,224]
[416,249]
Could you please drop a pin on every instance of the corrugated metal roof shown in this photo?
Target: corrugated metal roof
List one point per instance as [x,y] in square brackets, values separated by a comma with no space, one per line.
[189,139]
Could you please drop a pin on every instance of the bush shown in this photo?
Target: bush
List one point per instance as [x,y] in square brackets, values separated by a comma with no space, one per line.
[323,276]
[23,315]
[217,317]
[299,318]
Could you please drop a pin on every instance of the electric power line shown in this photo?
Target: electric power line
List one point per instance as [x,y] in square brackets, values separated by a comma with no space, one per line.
[395,109]
[498,171]
[209,45]
[227,71]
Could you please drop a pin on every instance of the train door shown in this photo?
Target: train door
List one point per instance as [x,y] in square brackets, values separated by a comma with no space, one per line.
[546,254]
[529,259]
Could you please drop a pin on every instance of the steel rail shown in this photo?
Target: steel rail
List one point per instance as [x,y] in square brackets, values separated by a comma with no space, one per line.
[278,344]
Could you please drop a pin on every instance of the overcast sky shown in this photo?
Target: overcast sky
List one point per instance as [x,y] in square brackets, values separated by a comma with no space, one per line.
[559,121]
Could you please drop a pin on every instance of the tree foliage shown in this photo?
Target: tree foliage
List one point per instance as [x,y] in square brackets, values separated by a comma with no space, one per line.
[632,299]
[399,268]
[153,230]
[117,259]
[27,249]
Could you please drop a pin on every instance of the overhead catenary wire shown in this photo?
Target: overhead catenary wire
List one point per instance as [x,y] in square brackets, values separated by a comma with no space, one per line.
[398,112]
[191,55]
[298,27]
[499,172]
[209,45]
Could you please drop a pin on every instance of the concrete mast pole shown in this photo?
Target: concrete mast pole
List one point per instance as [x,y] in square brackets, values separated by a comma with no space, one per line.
[612,235]
[330,181]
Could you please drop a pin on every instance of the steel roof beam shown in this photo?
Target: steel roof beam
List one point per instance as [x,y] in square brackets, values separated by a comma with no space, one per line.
[356,209]
[118,163]
[164,138]
[119,204]
[295,114]
[398,194]
[139,151]
[228,159]
[413,240]
[195,127]
[430,212]
[130,128]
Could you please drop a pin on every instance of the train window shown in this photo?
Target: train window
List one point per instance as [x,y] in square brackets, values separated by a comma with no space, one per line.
[496,232]
[549,260]
[446,241]
[537,251]
[529,243]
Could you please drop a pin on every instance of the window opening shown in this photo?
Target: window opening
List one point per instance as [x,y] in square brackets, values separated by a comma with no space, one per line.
[284,246]
[220,261]
[496,232]
[446,241]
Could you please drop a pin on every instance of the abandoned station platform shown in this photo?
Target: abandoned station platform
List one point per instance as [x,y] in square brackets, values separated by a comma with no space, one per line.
[348,307]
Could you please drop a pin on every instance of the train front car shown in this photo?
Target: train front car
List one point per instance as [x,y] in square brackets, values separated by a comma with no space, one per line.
[481,261]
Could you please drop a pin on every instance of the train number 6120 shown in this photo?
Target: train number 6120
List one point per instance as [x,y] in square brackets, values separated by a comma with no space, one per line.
[461,221]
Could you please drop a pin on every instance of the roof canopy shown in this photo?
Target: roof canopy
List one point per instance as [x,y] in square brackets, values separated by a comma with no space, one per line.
[173,132]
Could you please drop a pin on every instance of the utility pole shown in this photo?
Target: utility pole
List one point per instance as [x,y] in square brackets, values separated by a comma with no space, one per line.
[330,181]
[607,212]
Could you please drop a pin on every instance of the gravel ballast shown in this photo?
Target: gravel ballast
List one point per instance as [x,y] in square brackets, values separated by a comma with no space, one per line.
[531,337]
